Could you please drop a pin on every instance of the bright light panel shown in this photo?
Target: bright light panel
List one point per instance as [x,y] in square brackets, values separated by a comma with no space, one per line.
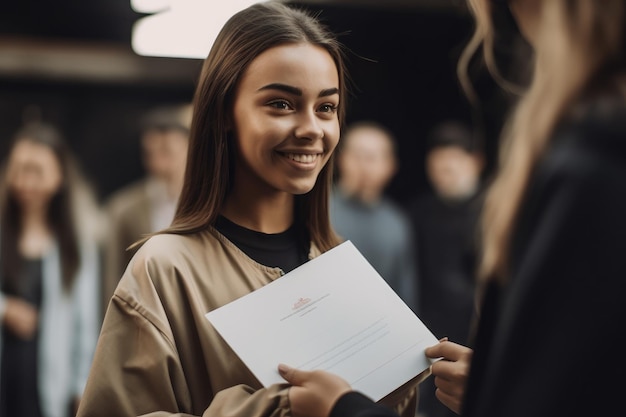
[150,6]
[181,28]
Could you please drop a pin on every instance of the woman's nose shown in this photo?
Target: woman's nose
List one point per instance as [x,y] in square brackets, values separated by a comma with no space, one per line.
[309,126]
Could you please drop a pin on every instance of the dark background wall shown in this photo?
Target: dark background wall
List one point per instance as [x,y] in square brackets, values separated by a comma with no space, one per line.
[402,61]
[403,64]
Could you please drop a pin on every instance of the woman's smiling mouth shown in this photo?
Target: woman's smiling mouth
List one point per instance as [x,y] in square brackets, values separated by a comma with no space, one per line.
[302,158]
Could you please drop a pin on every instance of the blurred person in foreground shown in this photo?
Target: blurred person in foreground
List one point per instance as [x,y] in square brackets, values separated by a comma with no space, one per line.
[446,225]
[147,205]
[550,333]
[49,276]
[361,213]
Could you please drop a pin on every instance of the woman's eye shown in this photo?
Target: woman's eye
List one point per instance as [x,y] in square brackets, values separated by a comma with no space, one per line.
[280,104]
[328,108]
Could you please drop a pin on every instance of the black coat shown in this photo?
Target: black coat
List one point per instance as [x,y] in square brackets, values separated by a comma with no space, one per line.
[551,341]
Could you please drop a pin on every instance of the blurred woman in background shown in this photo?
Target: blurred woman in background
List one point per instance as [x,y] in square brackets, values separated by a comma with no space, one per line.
[49,278]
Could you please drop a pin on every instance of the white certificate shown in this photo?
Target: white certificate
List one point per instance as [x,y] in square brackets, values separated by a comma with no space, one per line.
[334,313]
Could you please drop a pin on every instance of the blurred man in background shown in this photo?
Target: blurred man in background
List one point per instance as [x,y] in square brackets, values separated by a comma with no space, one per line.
[361,213]
[148,205]
[445,223]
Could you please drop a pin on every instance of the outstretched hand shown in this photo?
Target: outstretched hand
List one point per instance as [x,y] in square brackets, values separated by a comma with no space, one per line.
[313,393]
[451,372]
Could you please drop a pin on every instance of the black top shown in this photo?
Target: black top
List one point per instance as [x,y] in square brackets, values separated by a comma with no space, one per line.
[283,250]
[547,340]
[19,394]
[447,238]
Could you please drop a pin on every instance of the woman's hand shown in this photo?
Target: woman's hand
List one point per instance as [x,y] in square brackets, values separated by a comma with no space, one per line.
[451,372]
[314,393]
[20,318]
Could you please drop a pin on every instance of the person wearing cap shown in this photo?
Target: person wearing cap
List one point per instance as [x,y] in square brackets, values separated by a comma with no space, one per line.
[148,204]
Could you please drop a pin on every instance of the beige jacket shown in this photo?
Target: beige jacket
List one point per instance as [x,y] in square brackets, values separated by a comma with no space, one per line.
[159,356]
[128,212]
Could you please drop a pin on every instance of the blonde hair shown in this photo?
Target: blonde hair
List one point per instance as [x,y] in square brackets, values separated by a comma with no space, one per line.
[575,39]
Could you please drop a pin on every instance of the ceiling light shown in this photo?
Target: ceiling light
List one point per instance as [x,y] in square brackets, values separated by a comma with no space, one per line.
[181,28]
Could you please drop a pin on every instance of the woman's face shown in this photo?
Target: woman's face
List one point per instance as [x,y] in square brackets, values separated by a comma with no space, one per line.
[34,174]
[453,172]
[285,119]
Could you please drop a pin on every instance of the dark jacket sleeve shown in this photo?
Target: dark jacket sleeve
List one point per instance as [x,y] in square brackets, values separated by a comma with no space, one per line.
[354,404]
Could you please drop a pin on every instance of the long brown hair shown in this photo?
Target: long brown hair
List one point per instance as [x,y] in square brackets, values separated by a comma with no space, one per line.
[210,160]
[61,211]
[575,41]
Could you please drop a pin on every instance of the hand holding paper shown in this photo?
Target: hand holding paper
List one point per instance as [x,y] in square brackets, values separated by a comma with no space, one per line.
[313,393]
[333,313]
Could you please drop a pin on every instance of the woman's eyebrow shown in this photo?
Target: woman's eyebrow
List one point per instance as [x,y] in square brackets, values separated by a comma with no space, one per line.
[282,87]
[329,92]
[297,91]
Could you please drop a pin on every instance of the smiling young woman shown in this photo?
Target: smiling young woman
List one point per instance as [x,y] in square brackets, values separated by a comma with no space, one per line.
[285,130]
[267,116]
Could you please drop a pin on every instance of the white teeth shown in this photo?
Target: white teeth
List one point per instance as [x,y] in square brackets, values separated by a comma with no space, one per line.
[303,158]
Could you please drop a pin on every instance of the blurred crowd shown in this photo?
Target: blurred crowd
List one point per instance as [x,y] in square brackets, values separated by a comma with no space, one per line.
[62,251]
